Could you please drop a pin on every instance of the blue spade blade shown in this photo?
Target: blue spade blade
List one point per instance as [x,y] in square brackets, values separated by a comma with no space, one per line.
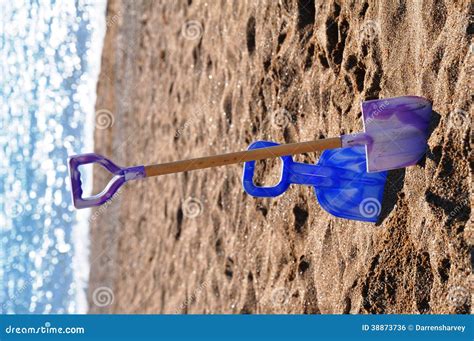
[356,194]
[342,185]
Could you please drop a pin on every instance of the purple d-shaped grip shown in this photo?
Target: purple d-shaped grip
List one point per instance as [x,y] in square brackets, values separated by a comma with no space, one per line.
[121,175]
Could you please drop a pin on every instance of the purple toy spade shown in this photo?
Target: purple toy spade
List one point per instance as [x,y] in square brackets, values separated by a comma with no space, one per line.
[395,136]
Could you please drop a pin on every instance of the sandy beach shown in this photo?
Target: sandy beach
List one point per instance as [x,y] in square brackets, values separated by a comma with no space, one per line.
[183,79]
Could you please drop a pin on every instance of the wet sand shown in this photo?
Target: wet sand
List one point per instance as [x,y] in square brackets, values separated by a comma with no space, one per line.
[188,79]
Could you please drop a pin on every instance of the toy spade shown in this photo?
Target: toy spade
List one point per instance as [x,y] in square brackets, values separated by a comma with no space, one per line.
[395,136]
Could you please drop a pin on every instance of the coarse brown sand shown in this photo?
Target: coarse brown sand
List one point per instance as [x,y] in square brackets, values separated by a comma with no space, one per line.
[193,78]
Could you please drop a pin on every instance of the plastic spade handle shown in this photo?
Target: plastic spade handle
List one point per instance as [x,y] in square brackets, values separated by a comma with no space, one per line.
[123,175]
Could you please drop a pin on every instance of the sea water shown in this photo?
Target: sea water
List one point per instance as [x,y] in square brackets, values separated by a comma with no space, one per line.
[49,65]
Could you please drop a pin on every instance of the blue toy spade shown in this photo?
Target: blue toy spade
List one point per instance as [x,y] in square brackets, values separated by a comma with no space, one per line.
[348,181]
[342,184]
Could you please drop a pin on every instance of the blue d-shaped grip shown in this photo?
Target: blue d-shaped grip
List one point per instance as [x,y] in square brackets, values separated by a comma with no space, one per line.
[291,173]
[249,169]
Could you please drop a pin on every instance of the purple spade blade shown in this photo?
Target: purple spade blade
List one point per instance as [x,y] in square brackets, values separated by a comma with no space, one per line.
[396,132]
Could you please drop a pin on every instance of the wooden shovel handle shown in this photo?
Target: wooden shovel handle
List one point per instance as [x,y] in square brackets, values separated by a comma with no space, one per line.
[244,156]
